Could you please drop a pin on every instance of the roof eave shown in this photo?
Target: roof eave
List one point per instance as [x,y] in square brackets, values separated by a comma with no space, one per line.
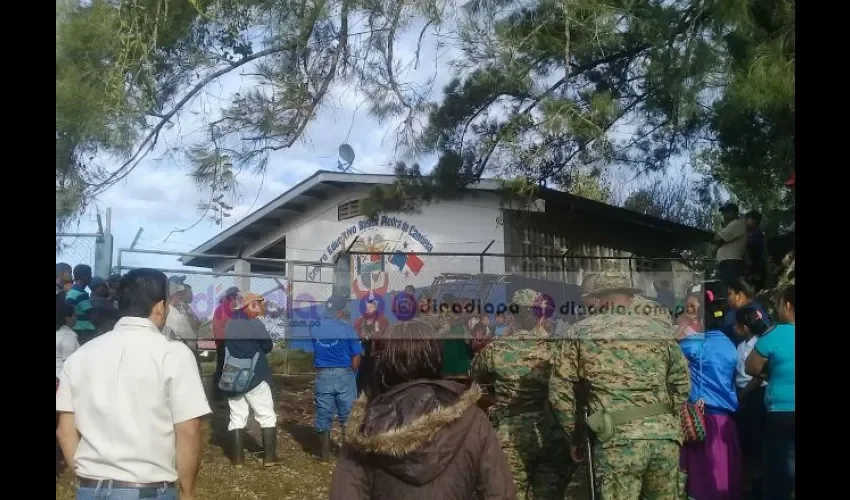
[319,177]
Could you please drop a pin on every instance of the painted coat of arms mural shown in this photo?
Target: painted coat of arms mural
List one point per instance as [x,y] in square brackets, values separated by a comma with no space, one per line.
[384,255]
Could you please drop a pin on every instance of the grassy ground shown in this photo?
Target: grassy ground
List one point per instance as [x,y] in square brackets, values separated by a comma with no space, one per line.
[301,477]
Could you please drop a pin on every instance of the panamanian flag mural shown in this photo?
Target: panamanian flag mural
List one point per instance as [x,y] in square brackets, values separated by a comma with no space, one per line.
[407,262]
[387,256]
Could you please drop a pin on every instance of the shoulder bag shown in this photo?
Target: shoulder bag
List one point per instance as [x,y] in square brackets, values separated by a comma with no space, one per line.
[237,373]
[692,416]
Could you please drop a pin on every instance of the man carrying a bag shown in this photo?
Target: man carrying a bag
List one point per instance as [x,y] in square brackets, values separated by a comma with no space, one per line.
[246,378]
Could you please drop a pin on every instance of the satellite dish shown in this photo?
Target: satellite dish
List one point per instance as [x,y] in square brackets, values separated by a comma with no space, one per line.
[346,153]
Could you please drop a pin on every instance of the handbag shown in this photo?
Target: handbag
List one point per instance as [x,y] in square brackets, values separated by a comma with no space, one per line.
[236,373]
[692,416]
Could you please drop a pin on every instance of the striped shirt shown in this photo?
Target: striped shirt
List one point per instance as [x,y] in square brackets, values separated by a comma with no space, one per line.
[79,298]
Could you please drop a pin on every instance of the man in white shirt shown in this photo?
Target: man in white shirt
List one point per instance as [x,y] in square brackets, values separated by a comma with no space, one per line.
[178,326]
[731,245]
[131,403]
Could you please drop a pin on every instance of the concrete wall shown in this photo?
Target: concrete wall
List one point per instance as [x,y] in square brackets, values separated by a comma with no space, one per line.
[462,226]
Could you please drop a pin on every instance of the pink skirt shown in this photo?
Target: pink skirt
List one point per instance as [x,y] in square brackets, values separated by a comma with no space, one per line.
[714,466]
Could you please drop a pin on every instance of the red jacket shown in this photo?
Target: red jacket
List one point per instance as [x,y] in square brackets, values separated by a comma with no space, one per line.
[221,316]
[365,330]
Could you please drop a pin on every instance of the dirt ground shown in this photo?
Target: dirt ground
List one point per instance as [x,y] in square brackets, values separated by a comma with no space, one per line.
[301,477]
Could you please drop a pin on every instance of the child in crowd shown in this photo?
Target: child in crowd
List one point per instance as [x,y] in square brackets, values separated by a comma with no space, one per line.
[750,324]
[501,324]
[480,337]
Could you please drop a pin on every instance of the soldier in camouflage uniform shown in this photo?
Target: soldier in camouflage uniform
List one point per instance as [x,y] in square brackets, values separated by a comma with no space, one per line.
[518,365]
[642,304]
[632,363]
[655,310]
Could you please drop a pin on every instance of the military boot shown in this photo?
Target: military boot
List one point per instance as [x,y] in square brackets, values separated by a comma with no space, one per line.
[324,446]
[238,447]
[269,447]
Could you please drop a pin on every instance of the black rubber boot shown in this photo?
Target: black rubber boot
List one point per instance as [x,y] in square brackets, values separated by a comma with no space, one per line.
[270,447]
[238,447]
[324,446]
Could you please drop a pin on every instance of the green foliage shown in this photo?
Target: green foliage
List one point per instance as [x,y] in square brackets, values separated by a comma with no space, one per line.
[126,69]
[116,63]
[551,92]
[592,187]
[448,180]
[754,120]
[553,84]
[709,79]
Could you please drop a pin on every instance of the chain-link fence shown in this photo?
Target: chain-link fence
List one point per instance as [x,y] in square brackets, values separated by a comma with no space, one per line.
[482,284]
[76,248]
[485,284]
[94,249]
[293,296]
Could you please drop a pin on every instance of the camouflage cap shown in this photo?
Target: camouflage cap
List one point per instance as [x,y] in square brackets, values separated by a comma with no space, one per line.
[526,297]
[611,281]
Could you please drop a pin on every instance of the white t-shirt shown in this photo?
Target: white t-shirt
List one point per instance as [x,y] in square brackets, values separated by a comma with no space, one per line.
[66,344]
[127,389]
[744,350]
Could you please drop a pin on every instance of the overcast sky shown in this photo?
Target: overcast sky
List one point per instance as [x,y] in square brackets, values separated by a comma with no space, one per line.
[159,197]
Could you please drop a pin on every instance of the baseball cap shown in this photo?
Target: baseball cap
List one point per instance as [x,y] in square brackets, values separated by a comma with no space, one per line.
[96,282]
[336,303]
[247,299]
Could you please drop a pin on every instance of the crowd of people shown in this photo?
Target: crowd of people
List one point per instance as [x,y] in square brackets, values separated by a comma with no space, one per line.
[741,439]
[448,404]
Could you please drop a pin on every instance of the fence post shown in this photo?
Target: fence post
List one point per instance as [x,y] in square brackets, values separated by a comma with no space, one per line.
[103,255]
[481,257]
[243,267]
[103,247]
[290,289]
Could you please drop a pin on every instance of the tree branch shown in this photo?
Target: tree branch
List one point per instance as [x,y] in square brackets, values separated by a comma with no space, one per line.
[150,139]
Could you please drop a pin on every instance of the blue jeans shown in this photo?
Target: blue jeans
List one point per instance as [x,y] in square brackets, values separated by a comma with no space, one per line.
[779,456]
[334,393]
[107,492]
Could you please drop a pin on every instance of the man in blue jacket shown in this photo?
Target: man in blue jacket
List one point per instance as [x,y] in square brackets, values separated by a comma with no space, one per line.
[336,356]
[246,337]
[739,294]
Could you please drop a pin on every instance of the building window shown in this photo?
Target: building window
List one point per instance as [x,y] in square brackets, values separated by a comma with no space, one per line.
[349,209]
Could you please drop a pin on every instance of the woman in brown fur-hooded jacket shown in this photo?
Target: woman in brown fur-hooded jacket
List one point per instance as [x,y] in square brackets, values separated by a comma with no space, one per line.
[420,437]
